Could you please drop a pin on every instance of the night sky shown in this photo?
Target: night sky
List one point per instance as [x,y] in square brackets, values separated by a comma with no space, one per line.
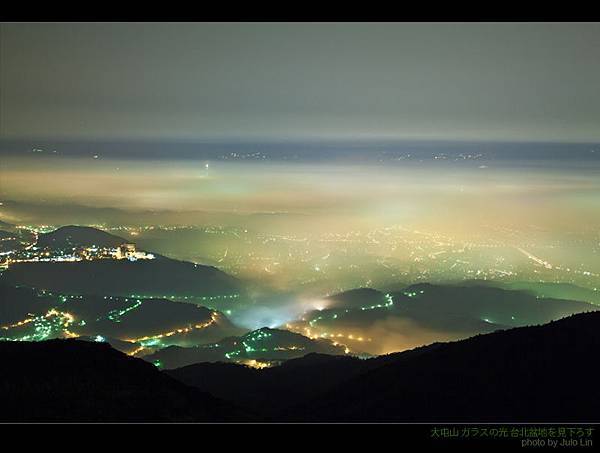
[478,81]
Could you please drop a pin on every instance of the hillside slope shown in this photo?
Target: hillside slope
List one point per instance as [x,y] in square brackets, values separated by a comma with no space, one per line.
[72,380]
[150,278]
[544,373]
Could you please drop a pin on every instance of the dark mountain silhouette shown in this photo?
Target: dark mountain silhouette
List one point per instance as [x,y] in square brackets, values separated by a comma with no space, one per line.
[491,305]
[161,277]
[533,374]
[551,289]
[263,345]
[275,389]
[560,291]
[72,380]
[271,390]
[426,313]
[150,278]
[544,373]
[427,302]
[67,237]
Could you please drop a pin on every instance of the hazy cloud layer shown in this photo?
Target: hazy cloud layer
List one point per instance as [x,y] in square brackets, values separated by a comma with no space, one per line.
[163,81]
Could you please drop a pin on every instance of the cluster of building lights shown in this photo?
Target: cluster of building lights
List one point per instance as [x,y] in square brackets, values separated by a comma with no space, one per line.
[33,254]
[48,325]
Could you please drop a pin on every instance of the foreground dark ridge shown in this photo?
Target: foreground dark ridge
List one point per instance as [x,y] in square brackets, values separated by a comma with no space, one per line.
[543,374]
[73,380]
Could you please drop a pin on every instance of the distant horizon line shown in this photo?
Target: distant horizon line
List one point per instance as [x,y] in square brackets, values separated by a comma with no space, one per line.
[292,140]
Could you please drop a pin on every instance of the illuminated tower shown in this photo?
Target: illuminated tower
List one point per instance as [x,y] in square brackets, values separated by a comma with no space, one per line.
[125,251]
